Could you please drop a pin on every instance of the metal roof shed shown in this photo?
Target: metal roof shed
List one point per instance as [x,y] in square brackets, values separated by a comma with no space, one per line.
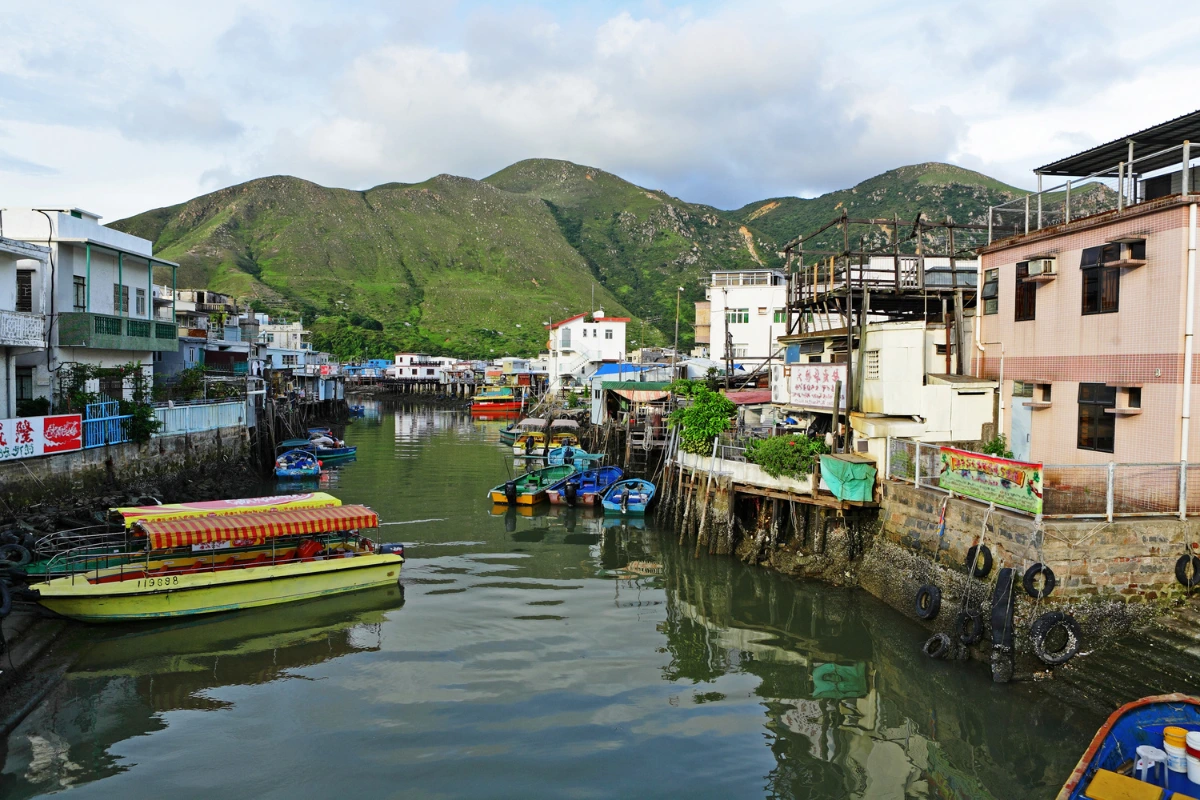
[1105,157]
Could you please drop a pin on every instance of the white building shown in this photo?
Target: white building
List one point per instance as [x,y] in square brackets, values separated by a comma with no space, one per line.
[748,309]
[98,287]
[282,335]
[579,345]
[420,366]
[22,328]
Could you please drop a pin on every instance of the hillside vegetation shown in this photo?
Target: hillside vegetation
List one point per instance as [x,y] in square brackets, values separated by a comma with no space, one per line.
[475,268]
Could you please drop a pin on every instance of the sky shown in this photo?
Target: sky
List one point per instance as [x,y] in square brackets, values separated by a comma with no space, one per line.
[124,106]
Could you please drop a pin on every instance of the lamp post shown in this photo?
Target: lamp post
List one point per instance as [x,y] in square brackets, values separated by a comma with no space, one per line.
[675,352]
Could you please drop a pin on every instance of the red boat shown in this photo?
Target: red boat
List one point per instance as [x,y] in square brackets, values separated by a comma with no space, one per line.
[496,402]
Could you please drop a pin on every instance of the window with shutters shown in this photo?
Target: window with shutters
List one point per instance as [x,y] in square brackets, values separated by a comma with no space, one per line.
[120,299]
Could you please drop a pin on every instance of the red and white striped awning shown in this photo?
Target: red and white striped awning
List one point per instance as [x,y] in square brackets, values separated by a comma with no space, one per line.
[168,533]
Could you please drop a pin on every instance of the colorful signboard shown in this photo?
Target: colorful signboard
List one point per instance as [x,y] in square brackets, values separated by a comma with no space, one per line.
[1014,484]
[25,437]
[811,385]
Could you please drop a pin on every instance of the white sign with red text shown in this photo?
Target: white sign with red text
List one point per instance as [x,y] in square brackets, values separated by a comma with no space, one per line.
[25,437]
[811,385]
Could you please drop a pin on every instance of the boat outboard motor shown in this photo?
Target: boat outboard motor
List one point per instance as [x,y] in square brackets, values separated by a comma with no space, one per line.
[528,445]
[571,492]
[390,548]
[510,491]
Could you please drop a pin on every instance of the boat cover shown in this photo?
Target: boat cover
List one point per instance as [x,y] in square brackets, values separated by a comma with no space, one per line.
[213,508]
[564,423]
[167,533]
[848,480]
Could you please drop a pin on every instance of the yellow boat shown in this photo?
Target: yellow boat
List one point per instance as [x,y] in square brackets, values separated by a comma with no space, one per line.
[312,553]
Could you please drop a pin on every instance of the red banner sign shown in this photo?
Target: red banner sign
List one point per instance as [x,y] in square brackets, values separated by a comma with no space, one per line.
[25,437]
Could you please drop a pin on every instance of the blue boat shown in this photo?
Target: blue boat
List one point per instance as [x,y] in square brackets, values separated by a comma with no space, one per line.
[584,488]
[632,496]
[577,456]
[1114,748]
[297,463]
[327,446]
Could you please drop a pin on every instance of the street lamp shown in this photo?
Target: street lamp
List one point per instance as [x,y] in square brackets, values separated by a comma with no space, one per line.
[675,352]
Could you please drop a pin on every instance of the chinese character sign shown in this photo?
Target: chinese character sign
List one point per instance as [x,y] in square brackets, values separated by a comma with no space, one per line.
[38,436]
[812,385]
[1015,484]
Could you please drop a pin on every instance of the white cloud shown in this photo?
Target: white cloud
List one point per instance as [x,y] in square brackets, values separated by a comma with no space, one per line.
[722,104]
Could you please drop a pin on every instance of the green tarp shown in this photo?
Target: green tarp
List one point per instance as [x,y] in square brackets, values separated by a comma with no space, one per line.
[849,480]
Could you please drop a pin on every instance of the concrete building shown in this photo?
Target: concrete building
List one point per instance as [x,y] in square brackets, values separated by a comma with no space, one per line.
[578,346]
[703,329]
[1088,309]
[97,287]
[22,327]
[747,311]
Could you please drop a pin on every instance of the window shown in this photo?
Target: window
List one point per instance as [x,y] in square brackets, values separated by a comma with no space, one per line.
[564,339]
[25,290]
[1022,389]
[289,361]
[80,293]
[781,315]
[140,297]
[1101,284]
[1133,397]
[814,359]
[762,311]
[270,338]
[608,333]
[120,299]
[24,383]
[428,372]
[991,291]
[872,366]
[1026,296]
[734,316]
[739,351]
[1096,428]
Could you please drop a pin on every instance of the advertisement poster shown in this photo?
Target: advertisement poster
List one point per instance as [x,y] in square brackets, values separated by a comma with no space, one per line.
[1015,484]
[811,385]
[25,437]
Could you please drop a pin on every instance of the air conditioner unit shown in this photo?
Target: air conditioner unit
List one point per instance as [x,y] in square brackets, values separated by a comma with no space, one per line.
[1043,266]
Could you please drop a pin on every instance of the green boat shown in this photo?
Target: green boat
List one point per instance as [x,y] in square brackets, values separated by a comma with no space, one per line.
[530,488]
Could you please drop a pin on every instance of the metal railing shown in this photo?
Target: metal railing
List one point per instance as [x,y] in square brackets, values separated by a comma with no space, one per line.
[1091,491]
[203,417]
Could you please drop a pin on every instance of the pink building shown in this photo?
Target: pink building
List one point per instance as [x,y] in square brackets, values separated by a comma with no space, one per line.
[1088,301]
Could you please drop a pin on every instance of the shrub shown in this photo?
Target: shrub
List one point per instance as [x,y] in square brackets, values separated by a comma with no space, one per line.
[998,447]
[793,456]
[701,421]
[37,407]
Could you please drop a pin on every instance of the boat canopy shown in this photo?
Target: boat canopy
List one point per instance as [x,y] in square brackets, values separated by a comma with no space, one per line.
[532,422]
[564,423]
[214,508]
[167,533]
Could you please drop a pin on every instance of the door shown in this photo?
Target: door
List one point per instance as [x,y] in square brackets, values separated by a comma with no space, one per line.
[1022,421]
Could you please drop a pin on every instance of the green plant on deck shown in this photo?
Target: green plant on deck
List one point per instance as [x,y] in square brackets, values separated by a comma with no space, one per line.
[791,456]
[706,417]
[189,384]
[998,447]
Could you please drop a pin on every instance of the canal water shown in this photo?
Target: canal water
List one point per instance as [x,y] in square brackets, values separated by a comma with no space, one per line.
[556,653]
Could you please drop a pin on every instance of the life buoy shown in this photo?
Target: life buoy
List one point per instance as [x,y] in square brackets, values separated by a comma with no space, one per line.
[977,552]
[929,601]
[937,646]
[968,626]
[14,555]
[1041,629]
[1181,570]
[1048,581]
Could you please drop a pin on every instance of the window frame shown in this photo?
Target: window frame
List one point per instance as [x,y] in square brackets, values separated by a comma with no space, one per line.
[991,280]
[139,299]
[780,317]
[1097,277]
[1093,398]
[24,304]
[120,299]
[80,293]
[1025,295]
[737,316]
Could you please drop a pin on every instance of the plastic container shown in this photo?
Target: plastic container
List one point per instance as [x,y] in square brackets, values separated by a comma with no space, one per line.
[1193,756]
[1175,745]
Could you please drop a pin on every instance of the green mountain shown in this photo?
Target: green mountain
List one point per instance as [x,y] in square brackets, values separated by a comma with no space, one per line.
[466,267]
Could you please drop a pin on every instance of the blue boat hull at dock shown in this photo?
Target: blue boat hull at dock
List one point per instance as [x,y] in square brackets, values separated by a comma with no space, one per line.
[641,495]
[589,486]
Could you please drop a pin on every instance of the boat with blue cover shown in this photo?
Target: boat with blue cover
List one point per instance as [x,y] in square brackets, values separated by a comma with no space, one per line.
[584,488]
[632,496]
[571,455]
[297,462]
[1107,766]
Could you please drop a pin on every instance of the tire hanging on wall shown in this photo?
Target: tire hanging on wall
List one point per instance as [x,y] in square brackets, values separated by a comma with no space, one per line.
[1041,628]
[1048,581]
[1181,570]
[968,626]
[928,601]
[937,646]
[977,552]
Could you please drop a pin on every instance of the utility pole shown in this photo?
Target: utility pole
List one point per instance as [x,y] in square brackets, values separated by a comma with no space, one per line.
[675,352]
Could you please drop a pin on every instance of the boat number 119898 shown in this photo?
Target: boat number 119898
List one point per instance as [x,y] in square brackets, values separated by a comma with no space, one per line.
[149,582]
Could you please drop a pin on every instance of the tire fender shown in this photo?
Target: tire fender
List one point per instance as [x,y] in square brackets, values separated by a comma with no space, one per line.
[968,626]
[979,561]
[1181,570]
[1048,581]
[937,646]
[928,601]
[1041,628]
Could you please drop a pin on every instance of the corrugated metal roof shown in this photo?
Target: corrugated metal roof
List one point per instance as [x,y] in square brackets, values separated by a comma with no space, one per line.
[1108,155]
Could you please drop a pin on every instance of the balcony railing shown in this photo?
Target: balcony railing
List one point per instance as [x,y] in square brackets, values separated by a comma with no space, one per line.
[83,329]
[18,329]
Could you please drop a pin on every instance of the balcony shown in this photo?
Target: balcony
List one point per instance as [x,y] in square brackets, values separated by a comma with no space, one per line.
[105,332]
[18,329]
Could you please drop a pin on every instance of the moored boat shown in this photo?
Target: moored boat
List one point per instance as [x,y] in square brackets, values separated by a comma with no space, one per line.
[498,401]
[632,496]
[530,488]
[509,433]
[298,462]
[202,565]
[584,488]
[1109,760]
[564,433]
[571,455]
[218,508]
[327,446]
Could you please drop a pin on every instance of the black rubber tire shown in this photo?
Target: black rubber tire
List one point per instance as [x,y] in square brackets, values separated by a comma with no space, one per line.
[14,555]
[928,601]
[968,626]
[5,600]
[937,646]
[1048,581]
[974,568]
[1181,567]
[1041,629]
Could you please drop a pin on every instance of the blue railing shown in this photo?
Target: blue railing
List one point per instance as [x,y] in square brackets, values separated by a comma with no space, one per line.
[104,424]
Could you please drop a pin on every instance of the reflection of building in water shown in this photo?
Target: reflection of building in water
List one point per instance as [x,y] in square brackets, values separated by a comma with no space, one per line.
[120,687]
[416,424]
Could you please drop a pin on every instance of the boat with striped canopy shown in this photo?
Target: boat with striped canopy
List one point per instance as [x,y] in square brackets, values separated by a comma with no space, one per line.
[530,488]
[202,565]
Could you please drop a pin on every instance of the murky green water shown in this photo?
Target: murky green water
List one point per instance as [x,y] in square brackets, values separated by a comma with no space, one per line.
[554,655]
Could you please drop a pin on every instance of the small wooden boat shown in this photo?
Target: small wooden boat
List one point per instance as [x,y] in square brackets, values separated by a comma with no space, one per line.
[571,455]
[1114,747]
[564,433]
[499,401]
[299,462]
[530,488]
[202,565]
[584,488]
[632,496]
[510,432]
